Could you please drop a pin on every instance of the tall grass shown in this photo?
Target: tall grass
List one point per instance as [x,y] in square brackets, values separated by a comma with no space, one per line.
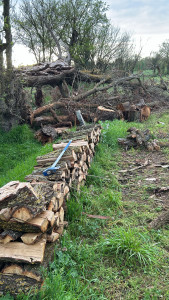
[18,152]
[129,246]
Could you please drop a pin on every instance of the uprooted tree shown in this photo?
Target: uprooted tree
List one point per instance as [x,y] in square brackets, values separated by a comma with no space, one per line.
[11,96]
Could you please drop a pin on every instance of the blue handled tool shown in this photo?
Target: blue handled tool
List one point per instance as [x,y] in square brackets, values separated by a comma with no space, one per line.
[51,170]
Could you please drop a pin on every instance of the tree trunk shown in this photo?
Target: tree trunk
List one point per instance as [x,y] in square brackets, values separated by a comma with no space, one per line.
[8,35]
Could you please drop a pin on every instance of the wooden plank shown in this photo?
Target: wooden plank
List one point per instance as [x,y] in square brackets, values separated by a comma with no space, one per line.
[20,252]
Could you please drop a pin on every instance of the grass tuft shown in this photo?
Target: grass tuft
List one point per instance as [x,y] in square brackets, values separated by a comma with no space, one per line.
[129,246]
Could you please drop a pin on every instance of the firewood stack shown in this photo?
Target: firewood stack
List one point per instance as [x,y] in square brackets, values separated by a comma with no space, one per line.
[139,138]
[32,213]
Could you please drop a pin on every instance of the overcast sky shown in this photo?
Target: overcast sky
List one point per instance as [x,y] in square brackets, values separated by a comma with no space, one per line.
[146,20]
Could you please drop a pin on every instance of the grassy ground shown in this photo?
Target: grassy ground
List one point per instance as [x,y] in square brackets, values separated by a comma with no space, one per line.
[18,152]
[116,258]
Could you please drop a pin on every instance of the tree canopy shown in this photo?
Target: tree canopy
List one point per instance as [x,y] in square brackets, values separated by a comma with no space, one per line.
[77,29]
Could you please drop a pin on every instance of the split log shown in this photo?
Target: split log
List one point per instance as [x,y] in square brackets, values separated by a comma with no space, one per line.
[6,213]
[20,252]
[15,269]
[17,283]
[22,194]
[80,143]
[8,236]
[103,114]
[160,221]
[31,238]
[51,238]
[37,224]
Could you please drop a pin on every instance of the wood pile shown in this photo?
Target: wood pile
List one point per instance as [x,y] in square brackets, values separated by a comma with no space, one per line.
[32,212]
[139,138]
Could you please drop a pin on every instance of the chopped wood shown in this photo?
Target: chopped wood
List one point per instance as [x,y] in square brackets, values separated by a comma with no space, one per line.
[21,252]
[6,213]
[22,213]
[37,224]
[30,238]
[23,195]
[51,238]
[49,215]
[15,269]
[16,284]
[79,143]
[61,215]
[8,236]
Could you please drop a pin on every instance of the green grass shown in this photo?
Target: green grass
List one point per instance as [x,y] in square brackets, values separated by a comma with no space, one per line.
[115,258]
[129,246]
[18,152]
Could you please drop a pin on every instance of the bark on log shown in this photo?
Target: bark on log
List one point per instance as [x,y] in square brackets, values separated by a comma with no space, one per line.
[23,195]
[160,221]
[52,80]
[8,236]
[16,251]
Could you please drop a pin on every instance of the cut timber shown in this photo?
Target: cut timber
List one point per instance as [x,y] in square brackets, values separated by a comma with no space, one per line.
[61,215]
[6,213]
[103,114]
[79,143]
[23,253]
[59,187]
[30,238]
[15,269]
[60,229]
[15,284]
[51,238]
[23,195]
[51,157]
[8,236]
[22,213]
[49,215]
[37,224]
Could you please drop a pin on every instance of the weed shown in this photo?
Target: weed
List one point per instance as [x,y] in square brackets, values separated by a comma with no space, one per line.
[129,246]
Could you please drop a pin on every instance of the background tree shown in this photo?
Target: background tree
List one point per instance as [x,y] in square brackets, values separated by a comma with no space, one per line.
[76,28]
[30,29]
[164,53]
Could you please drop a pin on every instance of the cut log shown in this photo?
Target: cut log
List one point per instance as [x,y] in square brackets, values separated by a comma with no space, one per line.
[61,216]
[49,215]
[37,224]
[103,114]
[23,253]
[22,213]
[23,195]
[16,284]
[6,213]
[80,143]
[8,236]
[31,238]
[51,238]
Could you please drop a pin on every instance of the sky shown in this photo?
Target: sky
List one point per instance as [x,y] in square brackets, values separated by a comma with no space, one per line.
[146,20]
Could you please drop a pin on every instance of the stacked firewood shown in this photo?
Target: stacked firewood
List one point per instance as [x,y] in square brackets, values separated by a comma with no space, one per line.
[32,212]
[139,138]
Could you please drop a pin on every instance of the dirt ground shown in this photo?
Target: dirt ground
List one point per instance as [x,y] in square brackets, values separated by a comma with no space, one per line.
[146,187]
